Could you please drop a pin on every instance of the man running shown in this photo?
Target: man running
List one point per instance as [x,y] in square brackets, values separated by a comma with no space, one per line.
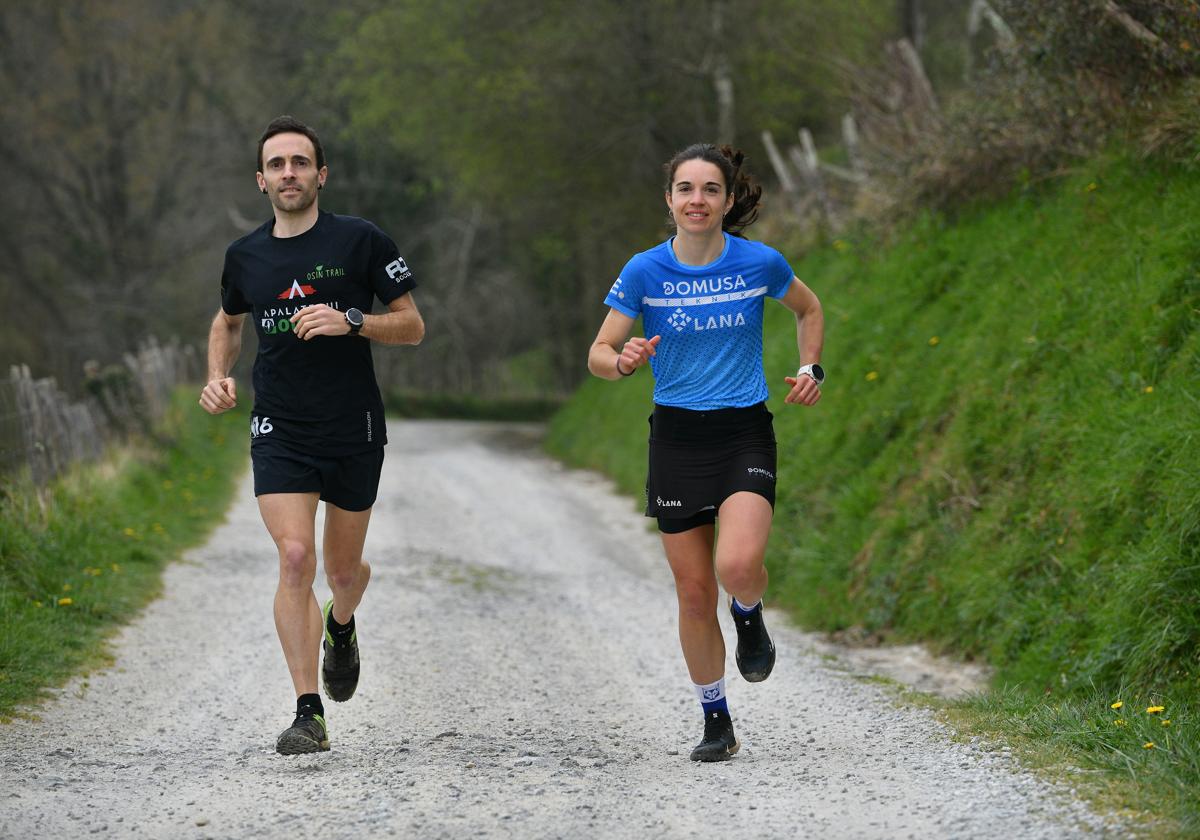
[316,431]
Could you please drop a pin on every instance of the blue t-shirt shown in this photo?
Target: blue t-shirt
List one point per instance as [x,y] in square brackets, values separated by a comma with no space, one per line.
[710,319]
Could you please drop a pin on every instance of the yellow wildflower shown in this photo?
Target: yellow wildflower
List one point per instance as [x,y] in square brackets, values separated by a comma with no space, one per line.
[872,376]
[1153,710]
[38,604]
[65,602]
[1092,187]
[66,587]
[116,567]
[1166,722]
[934,341]
[1149,745]
[1149,389]
[1116,705]
[1119,722]
[129,532]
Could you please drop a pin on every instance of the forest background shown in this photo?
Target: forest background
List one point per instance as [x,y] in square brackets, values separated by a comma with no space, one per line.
[512,148]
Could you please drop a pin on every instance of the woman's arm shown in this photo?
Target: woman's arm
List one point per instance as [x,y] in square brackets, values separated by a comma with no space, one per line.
[810,339]
[606,361]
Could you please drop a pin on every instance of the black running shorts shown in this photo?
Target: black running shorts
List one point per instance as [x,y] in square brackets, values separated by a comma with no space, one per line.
[350,482]
[698,459]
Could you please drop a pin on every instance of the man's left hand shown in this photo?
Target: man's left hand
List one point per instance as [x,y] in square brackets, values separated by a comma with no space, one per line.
[319,319]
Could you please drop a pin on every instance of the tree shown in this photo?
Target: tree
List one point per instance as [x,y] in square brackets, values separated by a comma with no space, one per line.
[117,148]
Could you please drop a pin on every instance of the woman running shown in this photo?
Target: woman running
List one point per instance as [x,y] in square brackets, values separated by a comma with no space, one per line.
[712,446]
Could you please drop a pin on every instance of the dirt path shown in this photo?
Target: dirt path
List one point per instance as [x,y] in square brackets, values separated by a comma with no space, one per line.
[521,678]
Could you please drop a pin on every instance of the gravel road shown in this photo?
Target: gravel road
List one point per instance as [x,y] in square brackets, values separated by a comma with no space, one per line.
[521,678]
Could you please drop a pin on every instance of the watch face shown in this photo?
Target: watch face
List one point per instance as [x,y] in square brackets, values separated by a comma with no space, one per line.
[354,317]
[818,373]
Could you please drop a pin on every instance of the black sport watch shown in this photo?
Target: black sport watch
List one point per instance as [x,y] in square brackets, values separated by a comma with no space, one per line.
[354,318]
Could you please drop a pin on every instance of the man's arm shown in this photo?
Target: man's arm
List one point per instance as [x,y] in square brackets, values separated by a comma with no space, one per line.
[401,324]
[224,345]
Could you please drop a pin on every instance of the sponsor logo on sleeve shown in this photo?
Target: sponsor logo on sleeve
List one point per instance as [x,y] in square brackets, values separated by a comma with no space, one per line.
[398,270]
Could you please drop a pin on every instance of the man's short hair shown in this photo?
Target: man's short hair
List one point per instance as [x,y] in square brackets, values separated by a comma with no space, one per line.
[285,125]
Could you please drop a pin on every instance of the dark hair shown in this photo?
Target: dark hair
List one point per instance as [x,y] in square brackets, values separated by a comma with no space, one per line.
[746,193]
[285,125]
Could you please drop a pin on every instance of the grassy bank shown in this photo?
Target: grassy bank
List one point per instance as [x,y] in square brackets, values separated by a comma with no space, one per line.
[1004,464]
[85,559]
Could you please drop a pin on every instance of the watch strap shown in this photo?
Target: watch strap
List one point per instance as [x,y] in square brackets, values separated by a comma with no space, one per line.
[808,370]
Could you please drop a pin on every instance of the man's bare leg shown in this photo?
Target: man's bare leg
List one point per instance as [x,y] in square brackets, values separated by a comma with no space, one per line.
[345,570]
[290,519]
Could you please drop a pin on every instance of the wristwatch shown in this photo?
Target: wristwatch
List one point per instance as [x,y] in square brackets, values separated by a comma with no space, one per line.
[814,370]
[354,318]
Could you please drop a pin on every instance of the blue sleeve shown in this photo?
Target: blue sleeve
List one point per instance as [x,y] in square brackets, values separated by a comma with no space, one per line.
[779,274]
[389,273]
[625,296]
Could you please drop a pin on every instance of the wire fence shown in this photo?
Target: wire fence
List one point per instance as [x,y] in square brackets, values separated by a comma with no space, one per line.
[44,432]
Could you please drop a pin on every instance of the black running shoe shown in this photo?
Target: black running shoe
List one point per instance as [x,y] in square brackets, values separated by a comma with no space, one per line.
[339,671]
[719,742]
[755,651]
[307,734]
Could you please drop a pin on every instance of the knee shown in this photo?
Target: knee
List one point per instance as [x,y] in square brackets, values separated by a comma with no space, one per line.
[697,598]
[344,576]
[739,573]
[297,563]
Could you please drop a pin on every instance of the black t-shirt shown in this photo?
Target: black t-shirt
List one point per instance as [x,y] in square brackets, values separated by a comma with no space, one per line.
[319,394]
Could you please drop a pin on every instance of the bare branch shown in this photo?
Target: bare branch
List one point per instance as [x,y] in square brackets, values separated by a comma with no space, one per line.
[1137,30]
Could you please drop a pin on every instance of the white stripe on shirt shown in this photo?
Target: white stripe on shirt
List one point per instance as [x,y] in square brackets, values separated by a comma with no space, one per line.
[703,301]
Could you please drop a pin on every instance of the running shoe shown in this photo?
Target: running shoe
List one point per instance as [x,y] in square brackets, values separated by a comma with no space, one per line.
[755,651]
[339,671]
[719,742]
[307,734]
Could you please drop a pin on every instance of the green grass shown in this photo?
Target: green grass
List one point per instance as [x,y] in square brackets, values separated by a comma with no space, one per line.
[1138,763]
[83,559]
[1004,464]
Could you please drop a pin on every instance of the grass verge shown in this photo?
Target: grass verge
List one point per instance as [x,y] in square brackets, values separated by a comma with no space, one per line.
[85,558]
[1133,755]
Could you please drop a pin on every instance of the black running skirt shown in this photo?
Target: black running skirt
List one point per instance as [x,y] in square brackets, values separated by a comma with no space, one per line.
[698,459]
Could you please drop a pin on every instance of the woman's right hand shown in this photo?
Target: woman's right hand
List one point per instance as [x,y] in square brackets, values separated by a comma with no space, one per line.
[636,352]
